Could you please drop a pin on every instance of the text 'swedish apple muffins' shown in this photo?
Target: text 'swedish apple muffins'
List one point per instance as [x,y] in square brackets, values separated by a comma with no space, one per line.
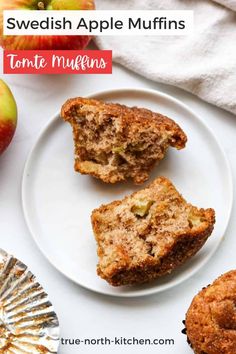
[211,318]
[114,142]
[148,234]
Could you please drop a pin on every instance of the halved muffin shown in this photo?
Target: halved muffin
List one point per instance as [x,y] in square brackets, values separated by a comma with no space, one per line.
[115,142]
[148,234]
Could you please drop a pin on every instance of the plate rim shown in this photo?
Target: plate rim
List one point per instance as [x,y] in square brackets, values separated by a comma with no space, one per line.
[154,290]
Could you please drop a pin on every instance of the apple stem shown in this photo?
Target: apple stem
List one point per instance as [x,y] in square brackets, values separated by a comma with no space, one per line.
[41,5]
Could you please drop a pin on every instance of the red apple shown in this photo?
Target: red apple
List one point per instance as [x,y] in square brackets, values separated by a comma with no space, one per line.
[8,116]
[44,42]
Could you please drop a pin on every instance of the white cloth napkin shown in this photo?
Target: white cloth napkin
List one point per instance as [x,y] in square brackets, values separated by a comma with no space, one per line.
[203,63]
[231,4]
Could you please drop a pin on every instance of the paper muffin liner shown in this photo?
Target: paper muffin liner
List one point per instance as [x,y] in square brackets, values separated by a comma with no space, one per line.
[28,323]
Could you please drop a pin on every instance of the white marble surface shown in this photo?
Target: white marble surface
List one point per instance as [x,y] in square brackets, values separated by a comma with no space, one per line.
[84,314]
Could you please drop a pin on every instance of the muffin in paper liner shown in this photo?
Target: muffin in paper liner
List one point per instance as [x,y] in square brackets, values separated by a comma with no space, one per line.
[28,323]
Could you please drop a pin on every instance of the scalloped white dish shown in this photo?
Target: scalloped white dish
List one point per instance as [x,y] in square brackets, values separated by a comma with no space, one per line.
[58,202]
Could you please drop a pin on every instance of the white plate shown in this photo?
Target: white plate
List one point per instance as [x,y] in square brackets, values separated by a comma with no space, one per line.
[58,202]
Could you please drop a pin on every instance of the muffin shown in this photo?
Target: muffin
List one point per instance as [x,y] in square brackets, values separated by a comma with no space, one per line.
[211,318]
[148,234]
[115,143]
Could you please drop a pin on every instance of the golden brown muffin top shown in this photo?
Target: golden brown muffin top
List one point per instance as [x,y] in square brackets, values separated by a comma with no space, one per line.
[211,318]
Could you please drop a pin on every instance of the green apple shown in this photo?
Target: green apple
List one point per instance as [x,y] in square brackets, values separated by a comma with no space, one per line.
[69,5]
[8,116]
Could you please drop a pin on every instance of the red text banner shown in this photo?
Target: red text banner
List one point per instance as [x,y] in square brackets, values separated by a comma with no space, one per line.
[57,62]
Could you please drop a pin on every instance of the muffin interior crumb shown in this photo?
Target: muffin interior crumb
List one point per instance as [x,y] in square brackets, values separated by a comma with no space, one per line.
[115,142]
[144,228]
